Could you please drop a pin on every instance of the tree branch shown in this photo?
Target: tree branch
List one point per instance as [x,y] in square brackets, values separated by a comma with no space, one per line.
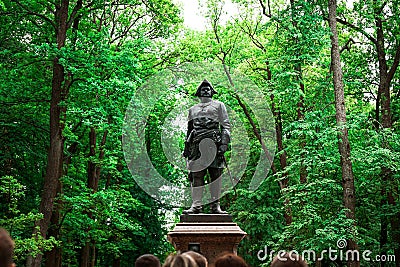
[24,101]
[251,34]
[347,45]
[356,28]
[394,65]
[264,9]
[127,29]
[74,12]
[30,12]
[33,62]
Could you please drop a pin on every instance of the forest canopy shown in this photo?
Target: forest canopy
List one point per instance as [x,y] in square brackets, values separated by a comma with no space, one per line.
[328,71]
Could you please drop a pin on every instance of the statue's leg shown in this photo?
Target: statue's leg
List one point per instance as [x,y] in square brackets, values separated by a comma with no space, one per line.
[197,192]
[215,189]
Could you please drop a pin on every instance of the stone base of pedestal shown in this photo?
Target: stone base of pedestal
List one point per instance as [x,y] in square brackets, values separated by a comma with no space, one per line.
[209,234]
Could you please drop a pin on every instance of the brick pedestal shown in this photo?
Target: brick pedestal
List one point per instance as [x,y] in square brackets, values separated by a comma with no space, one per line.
[211,234]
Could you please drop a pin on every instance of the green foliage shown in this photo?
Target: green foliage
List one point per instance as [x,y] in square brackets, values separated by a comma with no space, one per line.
[17,223]
[281,50]
[110,52]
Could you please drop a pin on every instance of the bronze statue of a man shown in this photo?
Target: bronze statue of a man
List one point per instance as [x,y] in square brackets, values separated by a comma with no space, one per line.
[207,139]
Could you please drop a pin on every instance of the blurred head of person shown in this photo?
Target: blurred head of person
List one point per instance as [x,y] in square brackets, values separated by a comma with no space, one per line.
[198,258]
[179,260]
[147,260]
[288,260]
[167,262]
[6,249]
[230,260]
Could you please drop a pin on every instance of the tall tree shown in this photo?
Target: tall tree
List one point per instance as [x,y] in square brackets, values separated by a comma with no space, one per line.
[63,38]
[382,17]
[59,91]
[349,197]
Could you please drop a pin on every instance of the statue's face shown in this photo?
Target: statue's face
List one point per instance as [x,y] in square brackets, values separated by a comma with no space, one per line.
[205,91]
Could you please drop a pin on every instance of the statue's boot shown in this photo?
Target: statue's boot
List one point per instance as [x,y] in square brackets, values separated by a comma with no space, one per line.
[193,210]
[215,190]
[197,195]
[216,208]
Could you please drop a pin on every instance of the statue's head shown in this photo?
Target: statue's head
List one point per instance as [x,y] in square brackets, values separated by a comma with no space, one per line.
[205,89]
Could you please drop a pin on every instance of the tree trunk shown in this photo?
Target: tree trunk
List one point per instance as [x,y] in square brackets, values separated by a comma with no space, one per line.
[395,225]
[300,118]
[383,109]
[300,103]
[53,257]
[88,253]
[349,198]
[284,182]
[92,184]
[384,224]
[56,148]
[85,255]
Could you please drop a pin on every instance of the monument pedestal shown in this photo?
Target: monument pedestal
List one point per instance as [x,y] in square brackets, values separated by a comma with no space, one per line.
[209,234]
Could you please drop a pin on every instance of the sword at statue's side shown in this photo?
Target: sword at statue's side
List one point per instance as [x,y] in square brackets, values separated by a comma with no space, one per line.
[230,175]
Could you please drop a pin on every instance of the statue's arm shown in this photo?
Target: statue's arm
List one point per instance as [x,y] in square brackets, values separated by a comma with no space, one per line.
[190,128]
[225,129]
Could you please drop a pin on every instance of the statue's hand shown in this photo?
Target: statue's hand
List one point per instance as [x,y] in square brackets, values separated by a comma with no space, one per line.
[222,149]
